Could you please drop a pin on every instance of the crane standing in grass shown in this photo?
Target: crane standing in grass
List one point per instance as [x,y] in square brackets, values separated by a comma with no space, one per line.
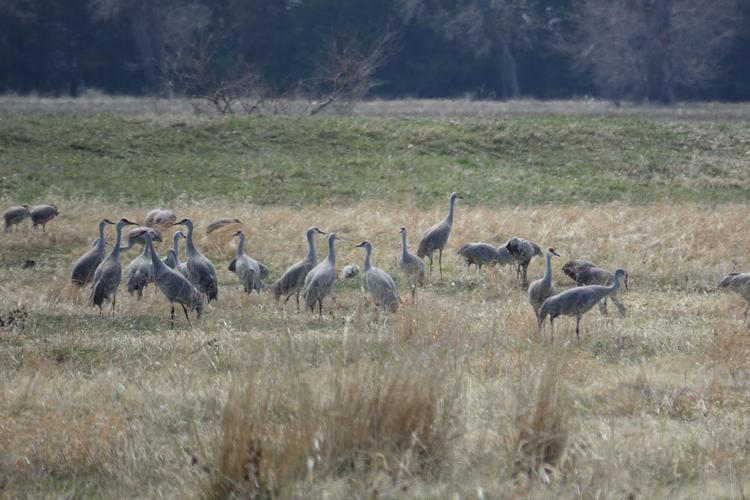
[436,237]
[294,278]
[541,289]
[15,215]
[140,271]
[201,271]
[108,274]
[319,280]
[42,214]
[411,265]
[379,283]
[584,272]
[173,285]
[522,252]
[85,266]
[481,254]
[246,267]
[740,284]
[576,302]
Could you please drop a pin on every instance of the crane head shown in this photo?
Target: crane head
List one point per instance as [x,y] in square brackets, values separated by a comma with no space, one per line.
[180,234]
[126,222]
[319,231]
[402,230]
[364,244]
[552,251]
[107,221]
[182,222]
[237,233]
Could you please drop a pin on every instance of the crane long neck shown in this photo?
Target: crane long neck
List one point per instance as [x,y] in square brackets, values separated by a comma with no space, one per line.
[100,243]
[155,260]
[450,211]
[368,251]
[311,247]
[241,245]
[331,252]
[404,251]
[615,284]
[176,243]
[118,239]
[548,272]
[189,240]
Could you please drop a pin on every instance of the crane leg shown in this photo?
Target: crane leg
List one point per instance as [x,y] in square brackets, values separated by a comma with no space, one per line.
[440,263]
[114,299]
[746,310]
[171,317]
[413,292]
[297,301]
[430,256]
[320,309]
[551,330]
[578,337]
[187,317]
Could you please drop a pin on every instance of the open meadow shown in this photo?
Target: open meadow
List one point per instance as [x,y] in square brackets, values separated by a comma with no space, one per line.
[454,396]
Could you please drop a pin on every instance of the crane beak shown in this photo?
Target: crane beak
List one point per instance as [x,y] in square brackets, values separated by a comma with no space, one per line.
[555,253]
[319,231]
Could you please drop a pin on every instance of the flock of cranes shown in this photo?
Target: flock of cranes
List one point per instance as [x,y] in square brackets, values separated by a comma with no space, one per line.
[194,282]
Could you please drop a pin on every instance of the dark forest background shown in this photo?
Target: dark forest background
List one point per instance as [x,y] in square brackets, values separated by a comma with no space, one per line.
[642,50]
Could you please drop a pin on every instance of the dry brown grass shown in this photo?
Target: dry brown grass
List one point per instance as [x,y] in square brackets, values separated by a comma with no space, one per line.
[453,395]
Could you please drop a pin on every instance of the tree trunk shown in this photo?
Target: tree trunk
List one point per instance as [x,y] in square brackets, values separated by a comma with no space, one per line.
[501,51]
[659,82]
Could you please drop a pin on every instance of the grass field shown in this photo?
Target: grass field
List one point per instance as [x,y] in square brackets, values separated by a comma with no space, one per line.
[454,396]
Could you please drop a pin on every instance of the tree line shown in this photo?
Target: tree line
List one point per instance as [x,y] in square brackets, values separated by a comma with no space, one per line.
[333,50]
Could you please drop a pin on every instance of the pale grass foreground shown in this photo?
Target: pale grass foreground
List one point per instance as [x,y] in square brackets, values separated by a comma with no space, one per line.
[456,395]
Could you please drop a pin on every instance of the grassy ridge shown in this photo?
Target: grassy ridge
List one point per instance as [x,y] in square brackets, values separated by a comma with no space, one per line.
[302,161]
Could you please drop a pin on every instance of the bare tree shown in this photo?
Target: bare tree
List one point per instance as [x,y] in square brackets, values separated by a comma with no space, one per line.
[345,71]
[643,49]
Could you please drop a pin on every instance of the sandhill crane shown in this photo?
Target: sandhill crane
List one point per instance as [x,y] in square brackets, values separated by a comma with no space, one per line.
[200,270]
[42,214]
[160,218]
[140,272]
[350,271]
[410,265]
[172,260]
[479,254]
[576,302]
[379,283]
[503,255]
[436,237]
[173,285]
[541,289]
[15,215]
[584,272]
[221,224]
[522,252]
[294,277]
[740,284]
[83,269]
[246,267]
[135,236]
[107,275]
[319,280]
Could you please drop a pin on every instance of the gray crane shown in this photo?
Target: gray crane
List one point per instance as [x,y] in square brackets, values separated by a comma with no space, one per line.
[173,285]
[436,237]
[411,265]
[201,271]
[221,224]
[85,266]
[541,289]
[135,236]
[379,283]
[576,302]
[246,267]
[172,260]
[160,218]
[294,278]
[481,254]
[522,251]
[15,215]
[42,214]
[584,272]
[107,275]
[350,271]
[319,280]
[140,272]
[740,284]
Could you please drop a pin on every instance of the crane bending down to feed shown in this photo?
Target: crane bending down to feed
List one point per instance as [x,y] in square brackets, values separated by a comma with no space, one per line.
[576,302]
[542,289]
[140,271]
[319,280]
[379,283]
[15,215]
[522,252]
[411,265]
[740,284]
[294,278]
[42,214]
[200,270]
[584,272]
[85,266]
[350,271]
[436,237]
[108,274]
[173,285]
[246,267]
[481,254]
